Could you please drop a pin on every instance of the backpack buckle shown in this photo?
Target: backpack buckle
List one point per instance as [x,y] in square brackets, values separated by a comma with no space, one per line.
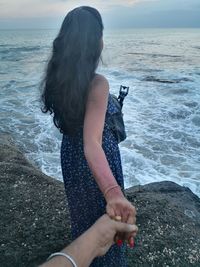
[123,92]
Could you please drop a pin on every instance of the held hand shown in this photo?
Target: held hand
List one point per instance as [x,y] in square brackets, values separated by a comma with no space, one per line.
[104,231]
[119,207]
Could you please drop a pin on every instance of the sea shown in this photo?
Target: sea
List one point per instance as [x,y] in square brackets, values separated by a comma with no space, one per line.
[161,112]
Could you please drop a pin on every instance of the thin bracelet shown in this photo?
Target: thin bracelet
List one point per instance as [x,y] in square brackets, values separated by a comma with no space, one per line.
[110,188]
[64,255]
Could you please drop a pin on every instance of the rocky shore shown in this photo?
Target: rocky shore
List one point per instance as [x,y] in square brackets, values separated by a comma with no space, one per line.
[35,219]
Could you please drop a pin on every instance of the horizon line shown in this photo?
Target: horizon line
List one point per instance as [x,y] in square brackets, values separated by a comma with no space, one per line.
[111,28]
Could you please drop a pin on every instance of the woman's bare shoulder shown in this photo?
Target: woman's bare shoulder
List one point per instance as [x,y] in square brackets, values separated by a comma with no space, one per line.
[99,89]
[100,81]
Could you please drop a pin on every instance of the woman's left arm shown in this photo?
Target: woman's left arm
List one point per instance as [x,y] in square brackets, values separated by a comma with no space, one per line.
[92,136]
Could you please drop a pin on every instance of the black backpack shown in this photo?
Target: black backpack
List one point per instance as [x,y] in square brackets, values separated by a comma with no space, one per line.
[115,121]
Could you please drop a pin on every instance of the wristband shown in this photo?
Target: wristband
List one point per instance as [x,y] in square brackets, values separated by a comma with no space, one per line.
[110,188]
[64,255]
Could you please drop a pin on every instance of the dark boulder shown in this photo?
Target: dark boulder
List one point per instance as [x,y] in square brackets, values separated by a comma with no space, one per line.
[34,214]
[168,217]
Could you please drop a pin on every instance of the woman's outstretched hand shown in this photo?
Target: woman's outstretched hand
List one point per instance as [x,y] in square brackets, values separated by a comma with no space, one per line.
[119,208]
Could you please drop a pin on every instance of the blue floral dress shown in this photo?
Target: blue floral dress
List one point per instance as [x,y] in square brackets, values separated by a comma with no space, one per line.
[86,201]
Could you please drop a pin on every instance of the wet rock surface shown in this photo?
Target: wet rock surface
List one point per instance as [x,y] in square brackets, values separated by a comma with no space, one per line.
[35,218]
[34,215]
[168,217]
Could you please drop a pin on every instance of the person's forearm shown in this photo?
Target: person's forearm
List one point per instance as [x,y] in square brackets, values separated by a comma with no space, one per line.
[100,168]
[83,250]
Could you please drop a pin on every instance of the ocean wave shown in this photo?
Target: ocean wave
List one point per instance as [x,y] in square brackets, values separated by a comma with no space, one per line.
[196,121]
[163,80]
[191,104]
[153,55]
[196,47]
[179,91]
[5,45]
[10,83]
[20,49]
[151,43]
[179,114]
[131,69]
[17,53]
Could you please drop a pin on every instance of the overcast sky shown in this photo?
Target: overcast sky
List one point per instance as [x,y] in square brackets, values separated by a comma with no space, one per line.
[115,13]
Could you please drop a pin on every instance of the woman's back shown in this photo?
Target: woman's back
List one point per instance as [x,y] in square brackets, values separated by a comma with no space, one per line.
[80,103]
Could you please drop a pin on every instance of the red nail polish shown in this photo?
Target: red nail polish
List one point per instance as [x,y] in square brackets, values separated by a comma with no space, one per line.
[132,243]
[119,242]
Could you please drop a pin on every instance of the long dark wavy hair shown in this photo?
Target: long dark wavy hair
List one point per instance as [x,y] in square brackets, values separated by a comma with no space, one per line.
[71,68]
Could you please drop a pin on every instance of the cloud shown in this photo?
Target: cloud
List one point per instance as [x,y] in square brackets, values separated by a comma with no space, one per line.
[162,13]
[128,3]
[110,2]
[52,8]
[31,8]
[115,13]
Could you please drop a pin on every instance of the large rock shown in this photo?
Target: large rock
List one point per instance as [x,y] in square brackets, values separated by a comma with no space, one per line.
[169,226]
[34,216]
[35,219]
